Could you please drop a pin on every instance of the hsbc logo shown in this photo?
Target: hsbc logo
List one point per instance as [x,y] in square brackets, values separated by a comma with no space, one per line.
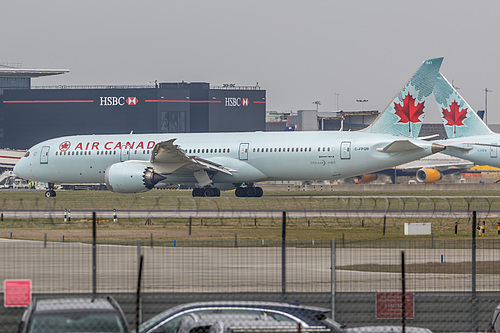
[118,101]
[236,101]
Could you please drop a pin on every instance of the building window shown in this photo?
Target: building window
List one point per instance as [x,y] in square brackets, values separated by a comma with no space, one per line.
[173,122]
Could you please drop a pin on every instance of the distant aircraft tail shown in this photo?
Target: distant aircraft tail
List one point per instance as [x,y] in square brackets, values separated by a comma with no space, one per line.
[404,115]
[459,119]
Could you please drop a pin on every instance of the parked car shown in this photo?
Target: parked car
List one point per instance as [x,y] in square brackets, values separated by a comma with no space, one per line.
[494,325]
[387,329]
[228,322]
[73,315]
[306,316]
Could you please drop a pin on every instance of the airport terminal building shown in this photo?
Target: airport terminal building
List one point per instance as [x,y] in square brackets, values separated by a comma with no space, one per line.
[29,115]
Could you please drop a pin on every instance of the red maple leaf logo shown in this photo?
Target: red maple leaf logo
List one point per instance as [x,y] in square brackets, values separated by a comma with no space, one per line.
[64,146]
[455,116]
[408,112]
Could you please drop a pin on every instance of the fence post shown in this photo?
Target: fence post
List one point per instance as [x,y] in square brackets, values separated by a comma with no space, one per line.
[139,269]
[473,261]
[94,254]
[403,293]
[283,254]
[333,271]
[383,232]
[138,309]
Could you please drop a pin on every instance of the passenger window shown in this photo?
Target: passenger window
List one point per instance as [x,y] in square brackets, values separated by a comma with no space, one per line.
[228,150]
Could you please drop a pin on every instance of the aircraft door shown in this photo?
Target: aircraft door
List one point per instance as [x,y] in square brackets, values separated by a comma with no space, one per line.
[125,154]
[243,153]
[493,152]
[345,150]
[44,155]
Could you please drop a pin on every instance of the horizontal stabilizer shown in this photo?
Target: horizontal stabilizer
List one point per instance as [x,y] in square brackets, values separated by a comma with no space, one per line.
[399,146]
[427,137]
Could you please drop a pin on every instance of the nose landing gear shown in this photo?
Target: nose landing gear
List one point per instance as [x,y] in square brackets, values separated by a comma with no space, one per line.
[50,192]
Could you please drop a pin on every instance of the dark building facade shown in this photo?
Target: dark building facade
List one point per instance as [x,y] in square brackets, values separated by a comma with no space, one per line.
[34,115]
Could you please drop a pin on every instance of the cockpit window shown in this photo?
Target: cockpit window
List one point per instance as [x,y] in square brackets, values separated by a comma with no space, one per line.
[27,154]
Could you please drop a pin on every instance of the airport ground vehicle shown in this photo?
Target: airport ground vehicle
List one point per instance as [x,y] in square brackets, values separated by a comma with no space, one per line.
[306,316]
[73,315]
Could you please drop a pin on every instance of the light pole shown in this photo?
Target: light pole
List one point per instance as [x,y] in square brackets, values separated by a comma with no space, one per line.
[318,103]
[486,91]
[362,101]
[337,96]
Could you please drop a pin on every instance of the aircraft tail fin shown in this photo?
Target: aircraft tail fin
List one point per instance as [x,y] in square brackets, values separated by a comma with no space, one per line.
[404,115]
[459,119]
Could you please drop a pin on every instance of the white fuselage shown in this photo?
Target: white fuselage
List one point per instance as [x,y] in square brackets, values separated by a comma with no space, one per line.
[258,156]
[480,154]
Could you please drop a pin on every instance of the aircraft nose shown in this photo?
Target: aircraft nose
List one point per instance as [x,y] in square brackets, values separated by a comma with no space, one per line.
[21,167]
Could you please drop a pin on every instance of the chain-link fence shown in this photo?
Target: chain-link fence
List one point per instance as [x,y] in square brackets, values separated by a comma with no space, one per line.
[452,283]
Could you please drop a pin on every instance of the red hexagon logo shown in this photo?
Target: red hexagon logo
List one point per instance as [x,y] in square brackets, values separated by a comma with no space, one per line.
[132,100]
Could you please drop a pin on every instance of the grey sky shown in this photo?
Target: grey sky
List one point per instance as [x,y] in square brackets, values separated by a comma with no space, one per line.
[299,51]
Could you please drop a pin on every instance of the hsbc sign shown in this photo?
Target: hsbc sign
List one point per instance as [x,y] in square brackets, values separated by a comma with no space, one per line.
[118,101]
[236,101]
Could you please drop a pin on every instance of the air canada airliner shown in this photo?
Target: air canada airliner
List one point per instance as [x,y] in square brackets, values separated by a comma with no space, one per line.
[222,161]
[468,136]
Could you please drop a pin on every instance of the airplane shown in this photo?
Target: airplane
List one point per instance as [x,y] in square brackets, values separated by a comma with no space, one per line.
[221,161]
[468,136]
[428,169]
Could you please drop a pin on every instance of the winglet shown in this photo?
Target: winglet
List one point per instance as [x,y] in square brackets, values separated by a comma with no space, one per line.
[404,115]
[459,119]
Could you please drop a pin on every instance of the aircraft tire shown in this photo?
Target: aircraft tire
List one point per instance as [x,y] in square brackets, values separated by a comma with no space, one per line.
[259,192]
[240,192]
[216,192]
[50,193]
[251,192]
[207,192]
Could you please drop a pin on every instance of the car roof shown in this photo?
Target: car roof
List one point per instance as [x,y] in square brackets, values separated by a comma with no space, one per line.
[220,321]
[296,310]
[249,304]
[71,304]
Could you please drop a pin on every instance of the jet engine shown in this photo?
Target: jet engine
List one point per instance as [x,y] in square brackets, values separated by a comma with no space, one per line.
[428,175]
[129,177]
[365,179]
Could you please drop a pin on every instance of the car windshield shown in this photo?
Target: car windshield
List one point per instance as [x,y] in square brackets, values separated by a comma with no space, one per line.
[72,322]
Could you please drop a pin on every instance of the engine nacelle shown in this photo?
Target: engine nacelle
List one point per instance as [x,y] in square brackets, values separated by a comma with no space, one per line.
[127,177]
[428,175]
[365,179]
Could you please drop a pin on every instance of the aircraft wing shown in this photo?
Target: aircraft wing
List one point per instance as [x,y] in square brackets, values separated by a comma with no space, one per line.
[170,158]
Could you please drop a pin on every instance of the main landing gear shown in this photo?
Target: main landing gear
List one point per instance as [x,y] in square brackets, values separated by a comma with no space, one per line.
[50,192]
[206,191]
[249,191]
